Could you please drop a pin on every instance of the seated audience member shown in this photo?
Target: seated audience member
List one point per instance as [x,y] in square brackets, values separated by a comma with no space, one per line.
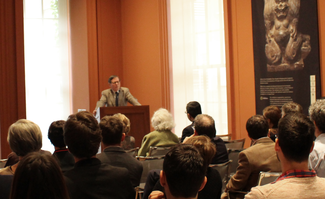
[317,156]
[61,153]
[212,189]
[12,159]
[90,178]
[258,157]
[162,122]
[113,154]
[293,145]
[24,136]
[204,125]
[183,174]
[193,109]
[129,141]
[273,115]
[38,176]
[291,107]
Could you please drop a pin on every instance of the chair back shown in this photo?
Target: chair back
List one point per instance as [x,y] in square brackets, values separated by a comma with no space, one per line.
[224,171]
[158,150]
[267,177]
[150,163]
[233,155]
[3,163]
[235,144]
[132,152]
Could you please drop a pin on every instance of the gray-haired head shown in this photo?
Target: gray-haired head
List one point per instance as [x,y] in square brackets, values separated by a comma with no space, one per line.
[24,136]
[162,120]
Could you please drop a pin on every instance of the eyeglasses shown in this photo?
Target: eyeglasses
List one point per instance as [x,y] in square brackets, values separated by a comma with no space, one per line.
[117,82]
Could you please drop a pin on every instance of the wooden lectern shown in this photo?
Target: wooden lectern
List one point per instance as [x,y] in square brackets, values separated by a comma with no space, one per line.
[138,116]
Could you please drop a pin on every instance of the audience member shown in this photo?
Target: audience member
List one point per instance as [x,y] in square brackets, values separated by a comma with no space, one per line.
[258,157]
[317,156]
[38,176]
[293,145]
[193,109]
[162,122]
[61,153]
[90,178]
[24,136]
[129,141]
[212,189]
[204,125]
[273,115]
[183,174]
[291,107]
[113,154]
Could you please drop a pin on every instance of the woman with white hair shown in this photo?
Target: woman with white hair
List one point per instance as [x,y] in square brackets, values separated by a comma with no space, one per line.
[24,136]
[162,121]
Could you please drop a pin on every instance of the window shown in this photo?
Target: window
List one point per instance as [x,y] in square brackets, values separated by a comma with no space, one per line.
[198,60]
[46,63]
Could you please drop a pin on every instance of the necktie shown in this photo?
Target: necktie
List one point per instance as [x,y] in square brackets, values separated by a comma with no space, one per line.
[116,99]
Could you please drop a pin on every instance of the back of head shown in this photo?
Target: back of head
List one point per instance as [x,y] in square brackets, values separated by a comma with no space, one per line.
[295,136]
[162,120]
[257,127]
[317,114]
[55,133]
[291,107]
[193,108]
[185,170]
[126,122]
[82,134]
[206,148]
[24,136]
[112,130]
[38,176]
[273,113]
[204,125]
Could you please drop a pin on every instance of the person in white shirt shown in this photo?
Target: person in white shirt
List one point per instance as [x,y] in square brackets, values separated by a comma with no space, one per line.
[317,156]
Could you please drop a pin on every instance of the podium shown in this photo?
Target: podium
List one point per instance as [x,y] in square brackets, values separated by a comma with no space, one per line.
[138,116]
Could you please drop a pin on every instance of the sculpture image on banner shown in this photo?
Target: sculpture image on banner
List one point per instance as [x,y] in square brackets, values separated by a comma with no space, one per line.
[286,52]
[286,47]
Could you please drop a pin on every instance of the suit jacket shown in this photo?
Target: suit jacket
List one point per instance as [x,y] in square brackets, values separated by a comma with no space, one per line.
[222,154]
[108,98]
[64,158]
[187,131]
[116,156]
[91,179]
[5,186]
[259,157]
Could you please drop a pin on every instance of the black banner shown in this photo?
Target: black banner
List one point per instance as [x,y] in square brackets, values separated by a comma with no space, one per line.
[286,52]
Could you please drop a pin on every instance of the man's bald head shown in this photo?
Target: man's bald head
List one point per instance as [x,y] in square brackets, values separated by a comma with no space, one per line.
[204,125]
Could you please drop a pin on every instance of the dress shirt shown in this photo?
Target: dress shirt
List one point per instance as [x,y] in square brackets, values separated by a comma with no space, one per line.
[317,156]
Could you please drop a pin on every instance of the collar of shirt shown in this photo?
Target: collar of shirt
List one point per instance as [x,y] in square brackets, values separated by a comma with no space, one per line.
[320,137]
[60,150]
[297,174]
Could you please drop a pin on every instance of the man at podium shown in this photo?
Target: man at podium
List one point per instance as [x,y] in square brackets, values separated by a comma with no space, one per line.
[116,95]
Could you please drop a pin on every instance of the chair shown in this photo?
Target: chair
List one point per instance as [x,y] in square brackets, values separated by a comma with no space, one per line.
[158,150]
[224,171]
[233,155]
[5,185]
[148,163]
[235,144]
[3,163]
[226,137]
[132,152]
[267,177]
